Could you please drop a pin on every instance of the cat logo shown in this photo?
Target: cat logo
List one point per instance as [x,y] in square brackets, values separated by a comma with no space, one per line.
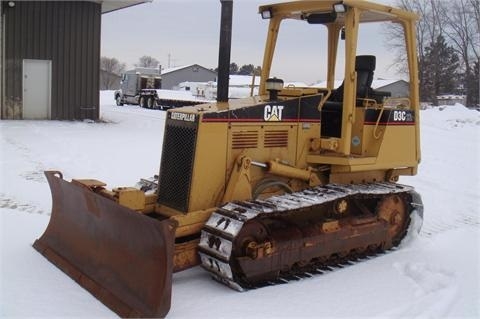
[272,113]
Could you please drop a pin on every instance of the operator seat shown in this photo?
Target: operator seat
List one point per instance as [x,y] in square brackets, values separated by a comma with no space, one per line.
[364,66]
[332,109]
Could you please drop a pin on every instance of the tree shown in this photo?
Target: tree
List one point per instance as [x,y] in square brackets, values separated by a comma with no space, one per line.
[233,68]
[147,61]
[462,31]
[246,69]
[112,67]
[441,67]
[429,27]
[458,22]
[474,84]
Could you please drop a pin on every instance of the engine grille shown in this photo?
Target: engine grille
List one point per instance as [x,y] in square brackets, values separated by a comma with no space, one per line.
[176,167]
[276,139]
[244,139]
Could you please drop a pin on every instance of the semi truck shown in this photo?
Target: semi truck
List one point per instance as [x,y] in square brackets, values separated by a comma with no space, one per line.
[143,87]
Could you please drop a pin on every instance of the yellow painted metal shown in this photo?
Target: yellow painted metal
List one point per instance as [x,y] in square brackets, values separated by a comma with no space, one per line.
[90,183]
[188,224]
[239,186]
[295,91]
[329,144]
[306,175]
[411,44]
[333,35]
[210,166]
[335,159]
[269,51]
[130,197]
[221,169]
[185,255]
[350,83]
[221,173]
[222,164]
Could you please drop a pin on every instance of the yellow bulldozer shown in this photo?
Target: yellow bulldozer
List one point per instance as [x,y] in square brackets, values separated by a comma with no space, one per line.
[260,189]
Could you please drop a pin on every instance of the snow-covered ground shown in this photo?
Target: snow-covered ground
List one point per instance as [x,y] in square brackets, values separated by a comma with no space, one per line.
[437,275]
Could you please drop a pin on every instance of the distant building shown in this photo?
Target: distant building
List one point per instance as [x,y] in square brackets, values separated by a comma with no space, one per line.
[449,99]
[50,57]
[172,77]
[398,88]
[146,71]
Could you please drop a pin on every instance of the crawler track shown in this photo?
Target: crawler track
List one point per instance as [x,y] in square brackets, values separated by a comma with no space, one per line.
[250,244]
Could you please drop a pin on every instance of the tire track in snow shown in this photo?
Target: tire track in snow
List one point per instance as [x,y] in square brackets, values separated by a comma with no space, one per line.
[439,226]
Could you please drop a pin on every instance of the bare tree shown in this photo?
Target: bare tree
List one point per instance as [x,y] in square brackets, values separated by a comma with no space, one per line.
[457,21]
[429,27]
[147,61]
[463,32]
[112,65]
[110,69]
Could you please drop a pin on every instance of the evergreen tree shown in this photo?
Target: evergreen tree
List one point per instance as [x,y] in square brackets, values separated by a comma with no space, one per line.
[246,69]
[440,70]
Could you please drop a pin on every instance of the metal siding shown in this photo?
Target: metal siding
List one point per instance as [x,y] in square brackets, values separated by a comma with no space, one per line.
[68,34]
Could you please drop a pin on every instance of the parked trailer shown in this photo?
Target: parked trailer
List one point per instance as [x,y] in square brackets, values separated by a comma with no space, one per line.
[143,88]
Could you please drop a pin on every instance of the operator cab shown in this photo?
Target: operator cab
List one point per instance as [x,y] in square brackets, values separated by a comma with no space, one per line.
[333,38]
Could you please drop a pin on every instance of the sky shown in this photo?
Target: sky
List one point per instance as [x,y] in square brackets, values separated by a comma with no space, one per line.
[183,32]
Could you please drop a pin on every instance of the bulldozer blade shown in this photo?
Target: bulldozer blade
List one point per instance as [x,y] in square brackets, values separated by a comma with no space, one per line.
[123,258]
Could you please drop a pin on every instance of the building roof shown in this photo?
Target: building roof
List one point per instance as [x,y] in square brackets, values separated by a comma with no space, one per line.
[170,70]
[113,5]
[141,70]
[379,83]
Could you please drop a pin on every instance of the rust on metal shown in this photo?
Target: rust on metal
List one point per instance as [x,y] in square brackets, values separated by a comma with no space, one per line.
[123,258]
[185,255]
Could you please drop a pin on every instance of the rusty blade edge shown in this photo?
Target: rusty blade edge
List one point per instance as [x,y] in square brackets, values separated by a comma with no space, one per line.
[102,294]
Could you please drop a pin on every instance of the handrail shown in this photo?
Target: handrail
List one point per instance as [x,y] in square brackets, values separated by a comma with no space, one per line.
[324,99]
[398,103]
[375,135]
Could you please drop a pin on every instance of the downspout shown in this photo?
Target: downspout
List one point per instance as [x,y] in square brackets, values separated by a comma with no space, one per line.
[224,50]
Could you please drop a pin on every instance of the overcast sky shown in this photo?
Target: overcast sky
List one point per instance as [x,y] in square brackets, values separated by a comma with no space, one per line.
[182,32]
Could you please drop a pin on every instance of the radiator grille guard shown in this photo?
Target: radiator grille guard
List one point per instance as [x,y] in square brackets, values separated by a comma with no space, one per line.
[176,167]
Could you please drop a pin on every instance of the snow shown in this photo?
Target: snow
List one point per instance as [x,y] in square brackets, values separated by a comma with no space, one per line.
[242,80]
[434,275]
[180,95]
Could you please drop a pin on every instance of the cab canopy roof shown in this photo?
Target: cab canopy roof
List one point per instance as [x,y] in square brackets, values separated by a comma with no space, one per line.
[302,9]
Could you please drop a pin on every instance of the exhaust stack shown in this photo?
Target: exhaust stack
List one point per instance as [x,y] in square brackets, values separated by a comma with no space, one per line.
[224,50]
